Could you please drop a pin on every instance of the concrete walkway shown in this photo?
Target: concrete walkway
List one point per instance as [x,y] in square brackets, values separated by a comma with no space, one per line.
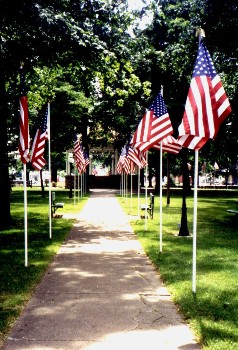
[101,292]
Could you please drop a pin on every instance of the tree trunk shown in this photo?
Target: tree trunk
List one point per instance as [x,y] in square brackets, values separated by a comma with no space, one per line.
[5,187]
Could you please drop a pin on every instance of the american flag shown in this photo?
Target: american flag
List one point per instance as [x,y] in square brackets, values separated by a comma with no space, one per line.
[24,141]
[121,161]
[136,157]
[78,155]
[86,159]
[170,145]
[207,104]
[38,147]
[128,166]
[154,126]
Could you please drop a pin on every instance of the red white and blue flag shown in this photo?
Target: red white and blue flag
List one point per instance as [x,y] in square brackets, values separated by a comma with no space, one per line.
[38,148]
[137,157]
[154,126]
[121,161]
[207,104]
[78,155]
[24,141]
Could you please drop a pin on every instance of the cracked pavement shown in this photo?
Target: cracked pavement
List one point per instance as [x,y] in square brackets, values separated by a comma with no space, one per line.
[101,292]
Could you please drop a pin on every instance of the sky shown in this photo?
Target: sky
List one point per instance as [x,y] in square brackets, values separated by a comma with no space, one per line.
[138,5]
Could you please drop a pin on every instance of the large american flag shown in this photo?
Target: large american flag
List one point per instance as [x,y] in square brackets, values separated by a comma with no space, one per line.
[154,126]
[38,148]
[207,104]
[24,140]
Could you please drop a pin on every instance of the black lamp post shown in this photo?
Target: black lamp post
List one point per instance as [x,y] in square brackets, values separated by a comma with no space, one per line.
[183,231]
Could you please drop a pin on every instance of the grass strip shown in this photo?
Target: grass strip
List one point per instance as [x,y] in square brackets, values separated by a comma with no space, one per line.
[213,311]
[17,282]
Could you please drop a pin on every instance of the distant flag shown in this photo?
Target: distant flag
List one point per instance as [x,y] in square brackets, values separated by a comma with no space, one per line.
[37,154]
[207,104]
[136,157]
[86,160]
[170,145]
[154,126]
[24,142]
[120,163]
[78,155]
[127,167]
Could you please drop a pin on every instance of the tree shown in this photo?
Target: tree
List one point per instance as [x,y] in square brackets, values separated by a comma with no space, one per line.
[57,38]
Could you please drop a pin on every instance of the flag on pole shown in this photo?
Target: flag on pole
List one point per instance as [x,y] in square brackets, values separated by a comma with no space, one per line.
[169,144]
[24,141]
[86,160]
[207,104]
[120,163]
[154,126]
[37,152]
[136,157]
[127,165]
[78,155]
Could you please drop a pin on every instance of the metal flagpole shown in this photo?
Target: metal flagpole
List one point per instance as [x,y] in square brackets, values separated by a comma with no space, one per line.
[123,186]
[195,222]
[162,94]
[78,185]
[161,197]
[81,182]
[146,190]
[126,183]
[74,184]
[138,192]
[49,160]
[131,191]
[25,217]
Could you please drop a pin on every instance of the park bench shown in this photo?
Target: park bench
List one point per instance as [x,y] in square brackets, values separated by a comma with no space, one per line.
[54,205]
[149,207]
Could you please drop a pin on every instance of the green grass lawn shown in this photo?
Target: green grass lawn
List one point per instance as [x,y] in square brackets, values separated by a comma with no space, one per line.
[18,282]
[213,310]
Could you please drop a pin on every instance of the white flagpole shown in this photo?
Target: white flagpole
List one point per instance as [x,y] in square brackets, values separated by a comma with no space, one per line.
[146,190]
[25,217]
[74,184]
[49,160]
[161,196]
[195,222]
[162,94]
[78,186]
[123,186]
[138,192]
[131,191]
[81,182]
[126,183]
